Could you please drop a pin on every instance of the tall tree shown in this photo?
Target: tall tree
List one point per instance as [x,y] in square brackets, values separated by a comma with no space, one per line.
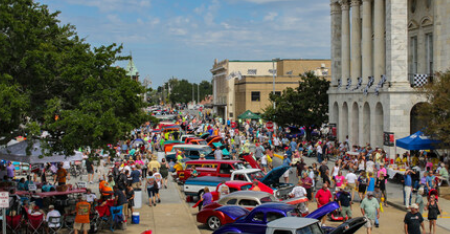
[205,89]
[52,80]
[181,92]
[436,112]
[306,105]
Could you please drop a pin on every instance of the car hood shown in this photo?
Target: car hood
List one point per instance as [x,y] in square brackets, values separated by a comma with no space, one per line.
[274,175]
[350,226]
[233,212]
[324,210]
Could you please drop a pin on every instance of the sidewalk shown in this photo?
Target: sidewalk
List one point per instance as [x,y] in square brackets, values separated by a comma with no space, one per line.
[170,216]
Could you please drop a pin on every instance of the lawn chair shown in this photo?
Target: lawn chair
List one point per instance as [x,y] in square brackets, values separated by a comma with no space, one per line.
[54,224]
[81,184]
[117,219]
[14,223]
[35,223]
[69,220]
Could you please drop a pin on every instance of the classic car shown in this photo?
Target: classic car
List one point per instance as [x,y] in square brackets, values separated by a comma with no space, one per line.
[294,225]
[237,185]
[215,215]
[256,221]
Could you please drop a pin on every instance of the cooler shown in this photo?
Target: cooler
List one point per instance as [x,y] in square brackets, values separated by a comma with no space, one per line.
[135,218]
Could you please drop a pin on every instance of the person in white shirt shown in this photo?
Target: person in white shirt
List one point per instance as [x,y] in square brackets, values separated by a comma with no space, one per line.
[90,197]
[300,191]
[351,179]
[52,213]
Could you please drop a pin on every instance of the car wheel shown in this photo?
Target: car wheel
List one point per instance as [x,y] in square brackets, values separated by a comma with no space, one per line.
[214,223]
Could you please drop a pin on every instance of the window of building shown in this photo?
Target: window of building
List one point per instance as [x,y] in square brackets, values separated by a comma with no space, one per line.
[429,52]
[413,54]
[428,3]
[251,71]
[272,71]
[413,5]
[256,96]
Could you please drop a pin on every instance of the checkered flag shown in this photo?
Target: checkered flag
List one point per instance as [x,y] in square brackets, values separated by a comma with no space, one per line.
[339,83]
[349,83]
[380,84]
[420,80]
[358,85]
[368,85]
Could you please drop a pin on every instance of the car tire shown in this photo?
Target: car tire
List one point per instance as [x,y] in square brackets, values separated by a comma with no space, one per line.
[213,223]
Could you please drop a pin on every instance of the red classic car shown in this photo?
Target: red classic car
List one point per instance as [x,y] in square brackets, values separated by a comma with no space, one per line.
[238,185]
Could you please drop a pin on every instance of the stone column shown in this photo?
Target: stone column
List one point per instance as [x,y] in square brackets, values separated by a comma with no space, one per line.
[356,41]
[367,41]
[345,41]
[336,20]
[379,41]
[397,42]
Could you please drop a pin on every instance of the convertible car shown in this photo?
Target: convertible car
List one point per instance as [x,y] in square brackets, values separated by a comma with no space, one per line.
[256,221]
[237,204]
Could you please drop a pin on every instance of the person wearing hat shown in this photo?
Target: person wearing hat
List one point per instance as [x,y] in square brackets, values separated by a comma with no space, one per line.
[82,220]
[345,203]
[52,213]
[414,221]
[202,157]
[153,164]
[370,208]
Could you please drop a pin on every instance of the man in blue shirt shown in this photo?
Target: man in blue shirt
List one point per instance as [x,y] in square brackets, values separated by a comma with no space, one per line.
[407,183]
[293,145]
[136,176]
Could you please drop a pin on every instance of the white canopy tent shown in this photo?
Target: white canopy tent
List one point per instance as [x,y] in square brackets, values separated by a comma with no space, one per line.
[17,152]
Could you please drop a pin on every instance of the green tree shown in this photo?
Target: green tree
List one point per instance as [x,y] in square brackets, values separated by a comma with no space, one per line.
[52,80]
[205,89]
[181,92]
[306,105]
[435,113]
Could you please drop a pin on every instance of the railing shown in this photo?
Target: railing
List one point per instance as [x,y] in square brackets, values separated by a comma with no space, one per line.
[417,80]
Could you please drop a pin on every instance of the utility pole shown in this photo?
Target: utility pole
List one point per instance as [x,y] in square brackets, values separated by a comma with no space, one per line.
[198,93]
[193,99]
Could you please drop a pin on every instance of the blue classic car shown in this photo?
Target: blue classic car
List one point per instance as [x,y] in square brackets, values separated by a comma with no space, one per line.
[256,221]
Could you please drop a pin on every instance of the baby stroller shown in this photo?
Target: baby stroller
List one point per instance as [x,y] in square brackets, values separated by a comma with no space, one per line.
[115,220]
[336,215]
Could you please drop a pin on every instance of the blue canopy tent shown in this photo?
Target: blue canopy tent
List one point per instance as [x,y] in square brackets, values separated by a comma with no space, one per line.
[417,141]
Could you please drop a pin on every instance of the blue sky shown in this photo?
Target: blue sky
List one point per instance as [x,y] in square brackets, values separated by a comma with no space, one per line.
[181,38]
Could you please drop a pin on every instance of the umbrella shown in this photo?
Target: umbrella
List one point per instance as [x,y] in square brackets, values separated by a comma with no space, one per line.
[417,141]
[249,115]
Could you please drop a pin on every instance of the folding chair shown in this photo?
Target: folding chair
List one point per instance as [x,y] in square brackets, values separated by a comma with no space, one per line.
[14,223]
[116,217]
[81,184]
[35,223]
[69,220]
[54,224]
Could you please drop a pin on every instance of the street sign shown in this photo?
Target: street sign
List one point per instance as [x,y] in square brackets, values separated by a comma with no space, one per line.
[233,125]
[269,125]
[4,200]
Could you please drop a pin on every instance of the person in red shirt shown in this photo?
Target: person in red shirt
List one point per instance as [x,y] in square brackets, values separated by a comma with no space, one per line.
[323,196]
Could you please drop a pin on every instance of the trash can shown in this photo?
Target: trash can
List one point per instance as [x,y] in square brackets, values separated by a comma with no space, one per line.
[137,198]
[135,218]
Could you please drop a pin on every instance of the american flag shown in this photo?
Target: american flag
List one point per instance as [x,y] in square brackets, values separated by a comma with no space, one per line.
[380,84]
[369,84]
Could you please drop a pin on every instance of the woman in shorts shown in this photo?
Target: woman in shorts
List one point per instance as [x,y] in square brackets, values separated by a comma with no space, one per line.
[362,184]
[150,184]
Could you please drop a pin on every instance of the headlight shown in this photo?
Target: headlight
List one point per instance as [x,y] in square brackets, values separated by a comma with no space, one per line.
[276,193]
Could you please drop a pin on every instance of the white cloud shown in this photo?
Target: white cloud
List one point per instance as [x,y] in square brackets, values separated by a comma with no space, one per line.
[271,16]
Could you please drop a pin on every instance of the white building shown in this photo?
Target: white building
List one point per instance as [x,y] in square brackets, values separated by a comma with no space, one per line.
[396,42]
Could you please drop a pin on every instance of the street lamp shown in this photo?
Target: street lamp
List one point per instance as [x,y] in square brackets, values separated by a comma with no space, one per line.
[273,73]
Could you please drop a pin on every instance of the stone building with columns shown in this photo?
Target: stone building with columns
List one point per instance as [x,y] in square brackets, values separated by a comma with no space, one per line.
[382,52]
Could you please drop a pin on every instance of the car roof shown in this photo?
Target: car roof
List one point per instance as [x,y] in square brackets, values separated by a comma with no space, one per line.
[248,170]
[247,194]
[275,206]
[191,146]
[214,161]
[291,222]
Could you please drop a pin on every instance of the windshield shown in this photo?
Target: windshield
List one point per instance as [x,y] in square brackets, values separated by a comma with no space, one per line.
[239,166]
[311,229]
[206,151]
[202,142]
[255,175]
[267,199]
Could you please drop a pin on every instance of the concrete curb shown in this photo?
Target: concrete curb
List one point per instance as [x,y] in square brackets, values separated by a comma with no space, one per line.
[186,207]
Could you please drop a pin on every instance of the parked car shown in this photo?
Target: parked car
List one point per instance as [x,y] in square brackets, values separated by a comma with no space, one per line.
[220,168]
[214,216]
[256,221]
[237,185]
[294,225]
[190,151]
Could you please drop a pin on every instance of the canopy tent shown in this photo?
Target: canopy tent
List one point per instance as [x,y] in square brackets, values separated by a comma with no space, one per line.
[417,141]
[17,152]
[249,115]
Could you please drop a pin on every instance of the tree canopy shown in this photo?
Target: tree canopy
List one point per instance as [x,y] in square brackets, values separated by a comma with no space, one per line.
[181,90]
[436,112]
[52,80]
[306,105]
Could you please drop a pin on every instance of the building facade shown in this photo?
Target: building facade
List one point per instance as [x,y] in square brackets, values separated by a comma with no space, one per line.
[245,85]
[382,52]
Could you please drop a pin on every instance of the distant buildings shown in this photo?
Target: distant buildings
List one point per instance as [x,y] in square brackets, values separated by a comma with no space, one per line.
[245,85]
[132,71]
[382,51]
